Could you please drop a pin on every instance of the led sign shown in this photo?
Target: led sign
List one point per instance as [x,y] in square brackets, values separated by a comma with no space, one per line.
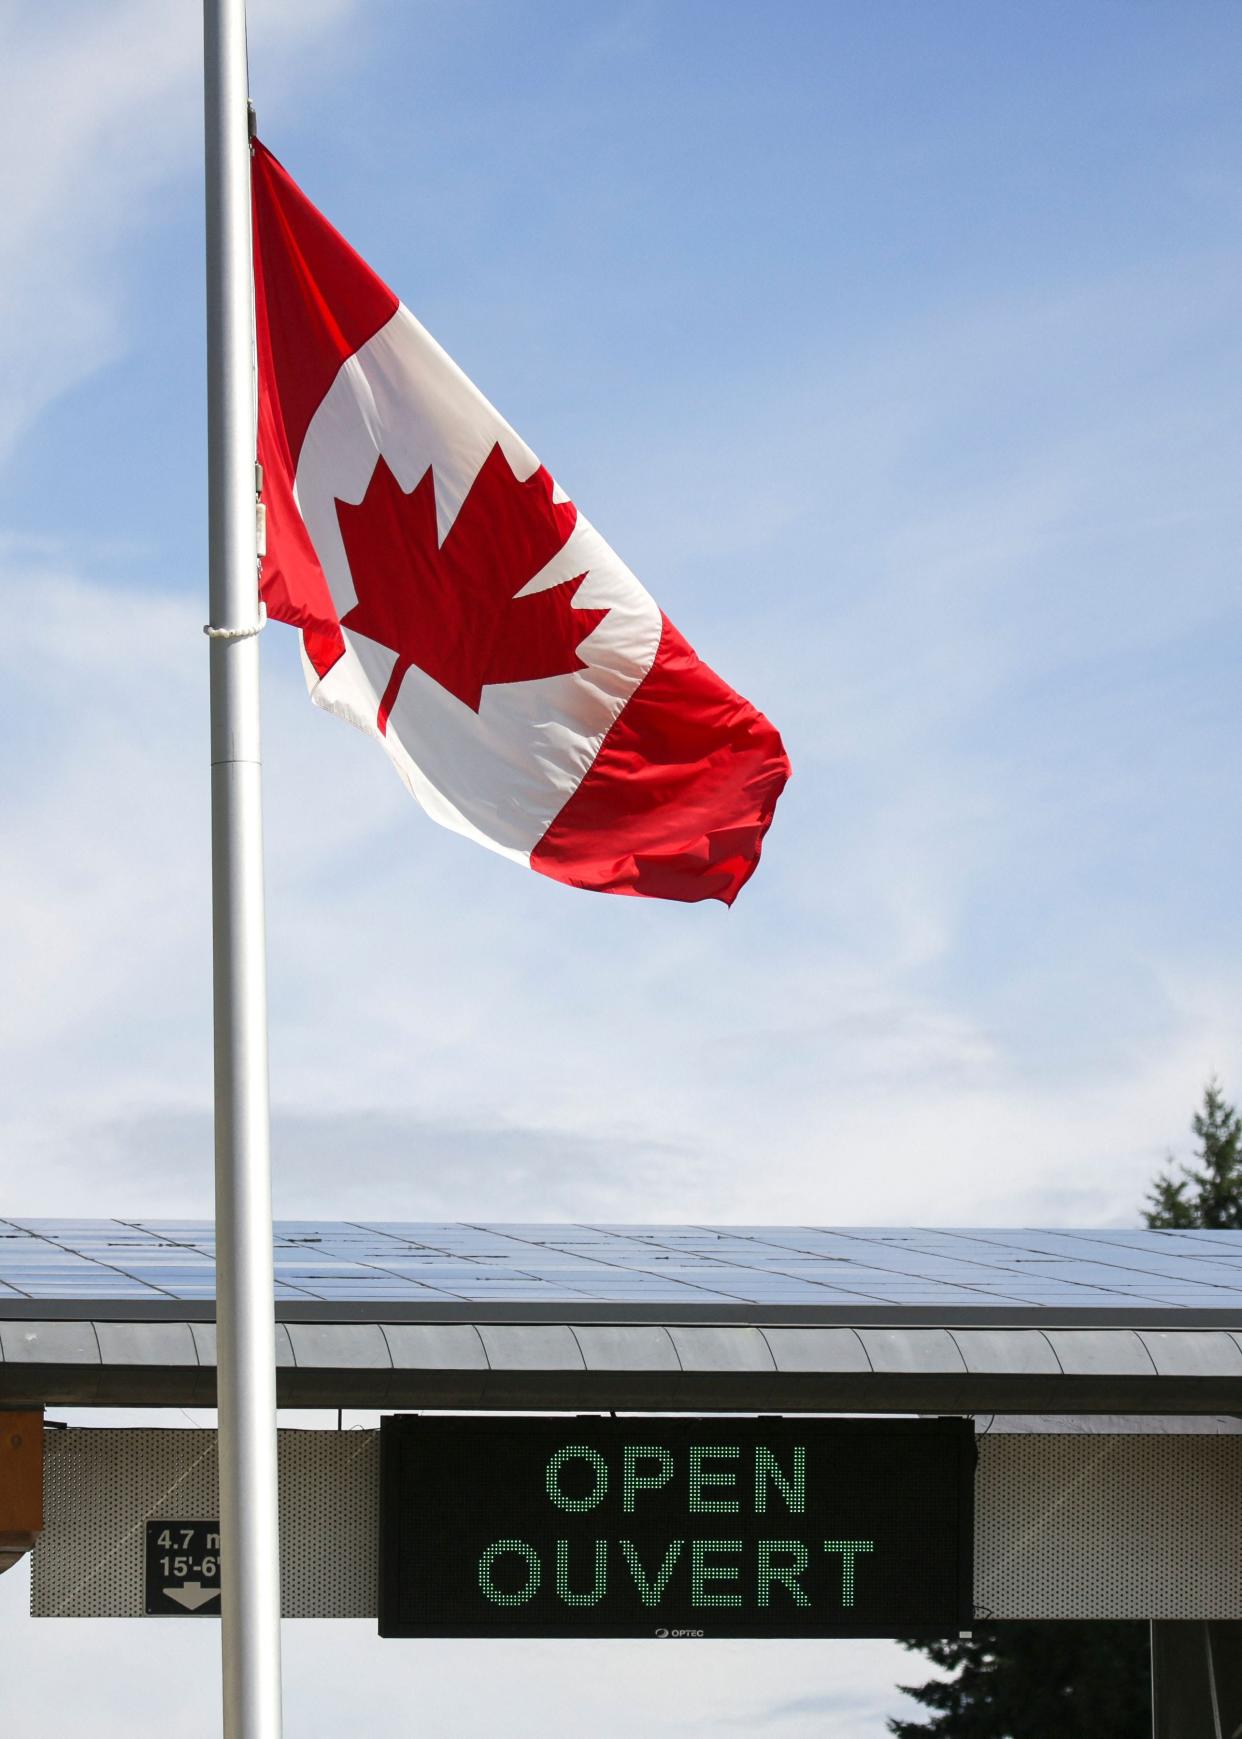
[667,1527]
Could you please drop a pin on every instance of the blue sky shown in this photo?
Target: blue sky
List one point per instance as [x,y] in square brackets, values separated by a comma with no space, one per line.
[895,347]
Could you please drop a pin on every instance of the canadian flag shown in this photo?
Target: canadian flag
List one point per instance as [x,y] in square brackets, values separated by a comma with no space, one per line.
[454,603]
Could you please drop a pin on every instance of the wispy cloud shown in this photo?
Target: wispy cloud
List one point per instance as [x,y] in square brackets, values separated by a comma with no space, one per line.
[101,114]
[829,1707]
[423,1023]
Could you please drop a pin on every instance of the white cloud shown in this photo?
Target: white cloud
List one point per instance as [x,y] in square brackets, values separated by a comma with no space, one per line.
[454,1037]
[100,113]
[340,1678]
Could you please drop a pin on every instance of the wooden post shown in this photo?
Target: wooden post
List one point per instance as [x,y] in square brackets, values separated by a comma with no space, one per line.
[21,1483]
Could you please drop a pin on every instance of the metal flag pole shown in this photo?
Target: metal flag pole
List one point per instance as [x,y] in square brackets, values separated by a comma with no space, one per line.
[245,1332]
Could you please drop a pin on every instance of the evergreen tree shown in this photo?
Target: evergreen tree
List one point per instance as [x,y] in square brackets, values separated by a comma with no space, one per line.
[1079,1681]
[1211,1194]
[1037,1681]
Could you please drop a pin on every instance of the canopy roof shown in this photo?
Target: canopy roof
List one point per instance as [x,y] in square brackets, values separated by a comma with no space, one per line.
[837,1272]
[745,1318]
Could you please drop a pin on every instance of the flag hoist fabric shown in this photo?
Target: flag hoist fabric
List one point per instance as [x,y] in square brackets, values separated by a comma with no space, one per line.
[454,604]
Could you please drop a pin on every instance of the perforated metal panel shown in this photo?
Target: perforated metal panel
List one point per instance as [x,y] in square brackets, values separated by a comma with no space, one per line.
[102,1487]
[1067,1526]
[1122,1526]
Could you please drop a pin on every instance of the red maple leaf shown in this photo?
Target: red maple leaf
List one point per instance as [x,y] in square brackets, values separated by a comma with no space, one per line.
[450,608]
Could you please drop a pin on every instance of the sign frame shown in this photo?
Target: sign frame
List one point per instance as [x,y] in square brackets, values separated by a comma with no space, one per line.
[406,1440]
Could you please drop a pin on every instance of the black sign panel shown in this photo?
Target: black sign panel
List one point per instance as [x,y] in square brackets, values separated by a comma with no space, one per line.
[675,1527]
[183,1569]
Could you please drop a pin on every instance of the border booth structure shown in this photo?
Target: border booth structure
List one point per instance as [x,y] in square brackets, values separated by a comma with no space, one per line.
[1101,1372]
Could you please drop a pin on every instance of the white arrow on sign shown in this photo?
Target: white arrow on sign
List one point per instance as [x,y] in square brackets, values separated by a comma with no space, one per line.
[192,1595]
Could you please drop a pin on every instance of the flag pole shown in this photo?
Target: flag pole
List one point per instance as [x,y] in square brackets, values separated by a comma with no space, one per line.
[245,1328]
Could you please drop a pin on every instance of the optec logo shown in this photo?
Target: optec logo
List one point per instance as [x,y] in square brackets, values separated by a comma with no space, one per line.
[680,1633]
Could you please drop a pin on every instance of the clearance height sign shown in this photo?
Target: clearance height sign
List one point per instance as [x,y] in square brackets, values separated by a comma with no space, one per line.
[668,1527]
